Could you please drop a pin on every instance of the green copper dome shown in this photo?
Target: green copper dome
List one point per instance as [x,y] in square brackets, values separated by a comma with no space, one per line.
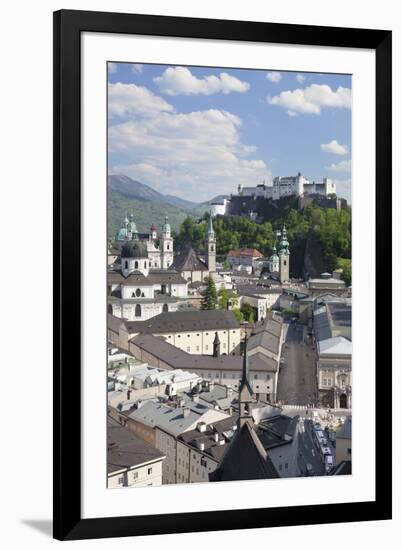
[166,226]
[121,235]
[284,243]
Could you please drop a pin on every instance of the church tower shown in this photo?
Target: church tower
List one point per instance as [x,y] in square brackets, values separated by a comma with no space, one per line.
[273,262]
[284,257]
[210,245]
[166,245]
[246,394]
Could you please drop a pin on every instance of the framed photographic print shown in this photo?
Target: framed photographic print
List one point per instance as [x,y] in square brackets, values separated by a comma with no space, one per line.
[205,176]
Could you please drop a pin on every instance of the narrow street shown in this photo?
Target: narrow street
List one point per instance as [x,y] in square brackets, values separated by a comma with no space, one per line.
[297,376]
[308,449]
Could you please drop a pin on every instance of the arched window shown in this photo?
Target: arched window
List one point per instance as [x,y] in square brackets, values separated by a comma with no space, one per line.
[165,308]
[136,265]
[138,292]
[126,264]
[138,310]
[145,265]
[212,247]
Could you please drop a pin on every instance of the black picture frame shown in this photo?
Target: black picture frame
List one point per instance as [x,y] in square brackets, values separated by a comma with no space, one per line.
[68,26]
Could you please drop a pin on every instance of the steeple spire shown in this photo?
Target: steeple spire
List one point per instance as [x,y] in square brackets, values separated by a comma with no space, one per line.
[245,392]
[210,226]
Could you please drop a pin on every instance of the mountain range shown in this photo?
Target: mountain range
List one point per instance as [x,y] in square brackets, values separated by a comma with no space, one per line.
[126,196]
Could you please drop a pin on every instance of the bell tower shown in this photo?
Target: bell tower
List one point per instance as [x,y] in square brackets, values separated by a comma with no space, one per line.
[284,257]
[210,245]
[166,245]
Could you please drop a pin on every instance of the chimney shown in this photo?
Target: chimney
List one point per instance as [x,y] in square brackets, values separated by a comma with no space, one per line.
[216,437]
[128,394]
[186,412]
[201,445]
[196,398]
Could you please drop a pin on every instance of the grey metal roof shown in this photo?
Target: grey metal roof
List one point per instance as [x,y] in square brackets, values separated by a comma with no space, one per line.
[187,260]
[174,421]
[125,449]
[192,320]
[177,358]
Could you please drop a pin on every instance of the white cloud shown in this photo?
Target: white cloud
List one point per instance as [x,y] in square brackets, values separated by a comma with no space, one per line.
[274,76]
[312,99]
[292,113]
[195,155]
[300,78]
[335,148]
[112,67]
[136,68]
[343,166]
[126,99]
[181,81]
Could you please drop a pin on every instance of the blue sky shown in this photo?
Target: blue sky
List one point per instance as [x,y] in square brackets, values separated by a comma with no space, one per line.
[198,132]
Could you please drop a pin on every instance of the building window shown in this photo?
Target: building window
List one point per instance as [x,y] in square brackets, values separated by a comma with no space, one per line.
[349,451]
[135,475]
[138,310]
[126,264]
[145,265]
[198,348]
[165,308]
[138,292]
[188,349]
[136,265]
[206,347]
[256,377]
[120,480]
[149,471]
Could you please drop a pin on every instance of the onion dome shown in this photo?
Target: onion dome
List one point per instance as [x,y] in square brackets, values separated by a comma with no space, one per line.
[134,249]
[121,235]
[284,243]
[274,256]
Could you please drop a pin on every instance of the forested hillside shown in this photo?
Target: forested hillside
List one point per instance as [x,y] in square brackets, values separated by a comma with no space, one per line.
[323,233]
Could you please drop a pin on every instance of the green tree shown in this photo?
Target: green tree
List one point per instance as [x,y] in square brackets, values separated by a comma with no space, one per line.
[346,265]
[226,296]
[238,314]
[210,298]
[248,312]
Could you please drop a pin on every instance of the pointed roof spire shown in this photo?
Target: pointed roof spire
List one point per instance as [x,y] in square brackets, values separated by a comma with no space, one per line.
[245,373]
[210,225]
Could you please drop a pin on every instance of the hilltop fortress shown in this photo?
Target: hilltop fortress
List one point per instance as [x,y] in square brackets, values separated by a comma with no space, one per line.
[249,200]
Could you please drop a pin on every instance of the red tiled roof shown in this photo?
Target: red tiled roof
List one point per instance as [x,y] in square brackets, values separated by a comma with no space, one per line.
[245,252]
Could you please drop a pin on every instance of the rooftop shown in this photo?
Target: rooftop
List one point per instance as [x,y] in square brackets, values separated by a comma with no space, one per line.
[245,252]
[192,320]
[177,358]
[173,420]
[187,260]
[126,450]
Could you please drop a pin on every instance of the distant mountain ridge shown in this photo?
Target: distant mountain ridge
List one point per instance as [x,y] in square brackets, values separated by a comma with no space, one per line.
[126,195]
[134,189]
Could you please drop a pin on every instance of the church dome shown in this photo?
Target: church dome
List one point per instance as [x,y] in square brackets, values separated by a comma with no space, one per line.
[121,235]
[134,249]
